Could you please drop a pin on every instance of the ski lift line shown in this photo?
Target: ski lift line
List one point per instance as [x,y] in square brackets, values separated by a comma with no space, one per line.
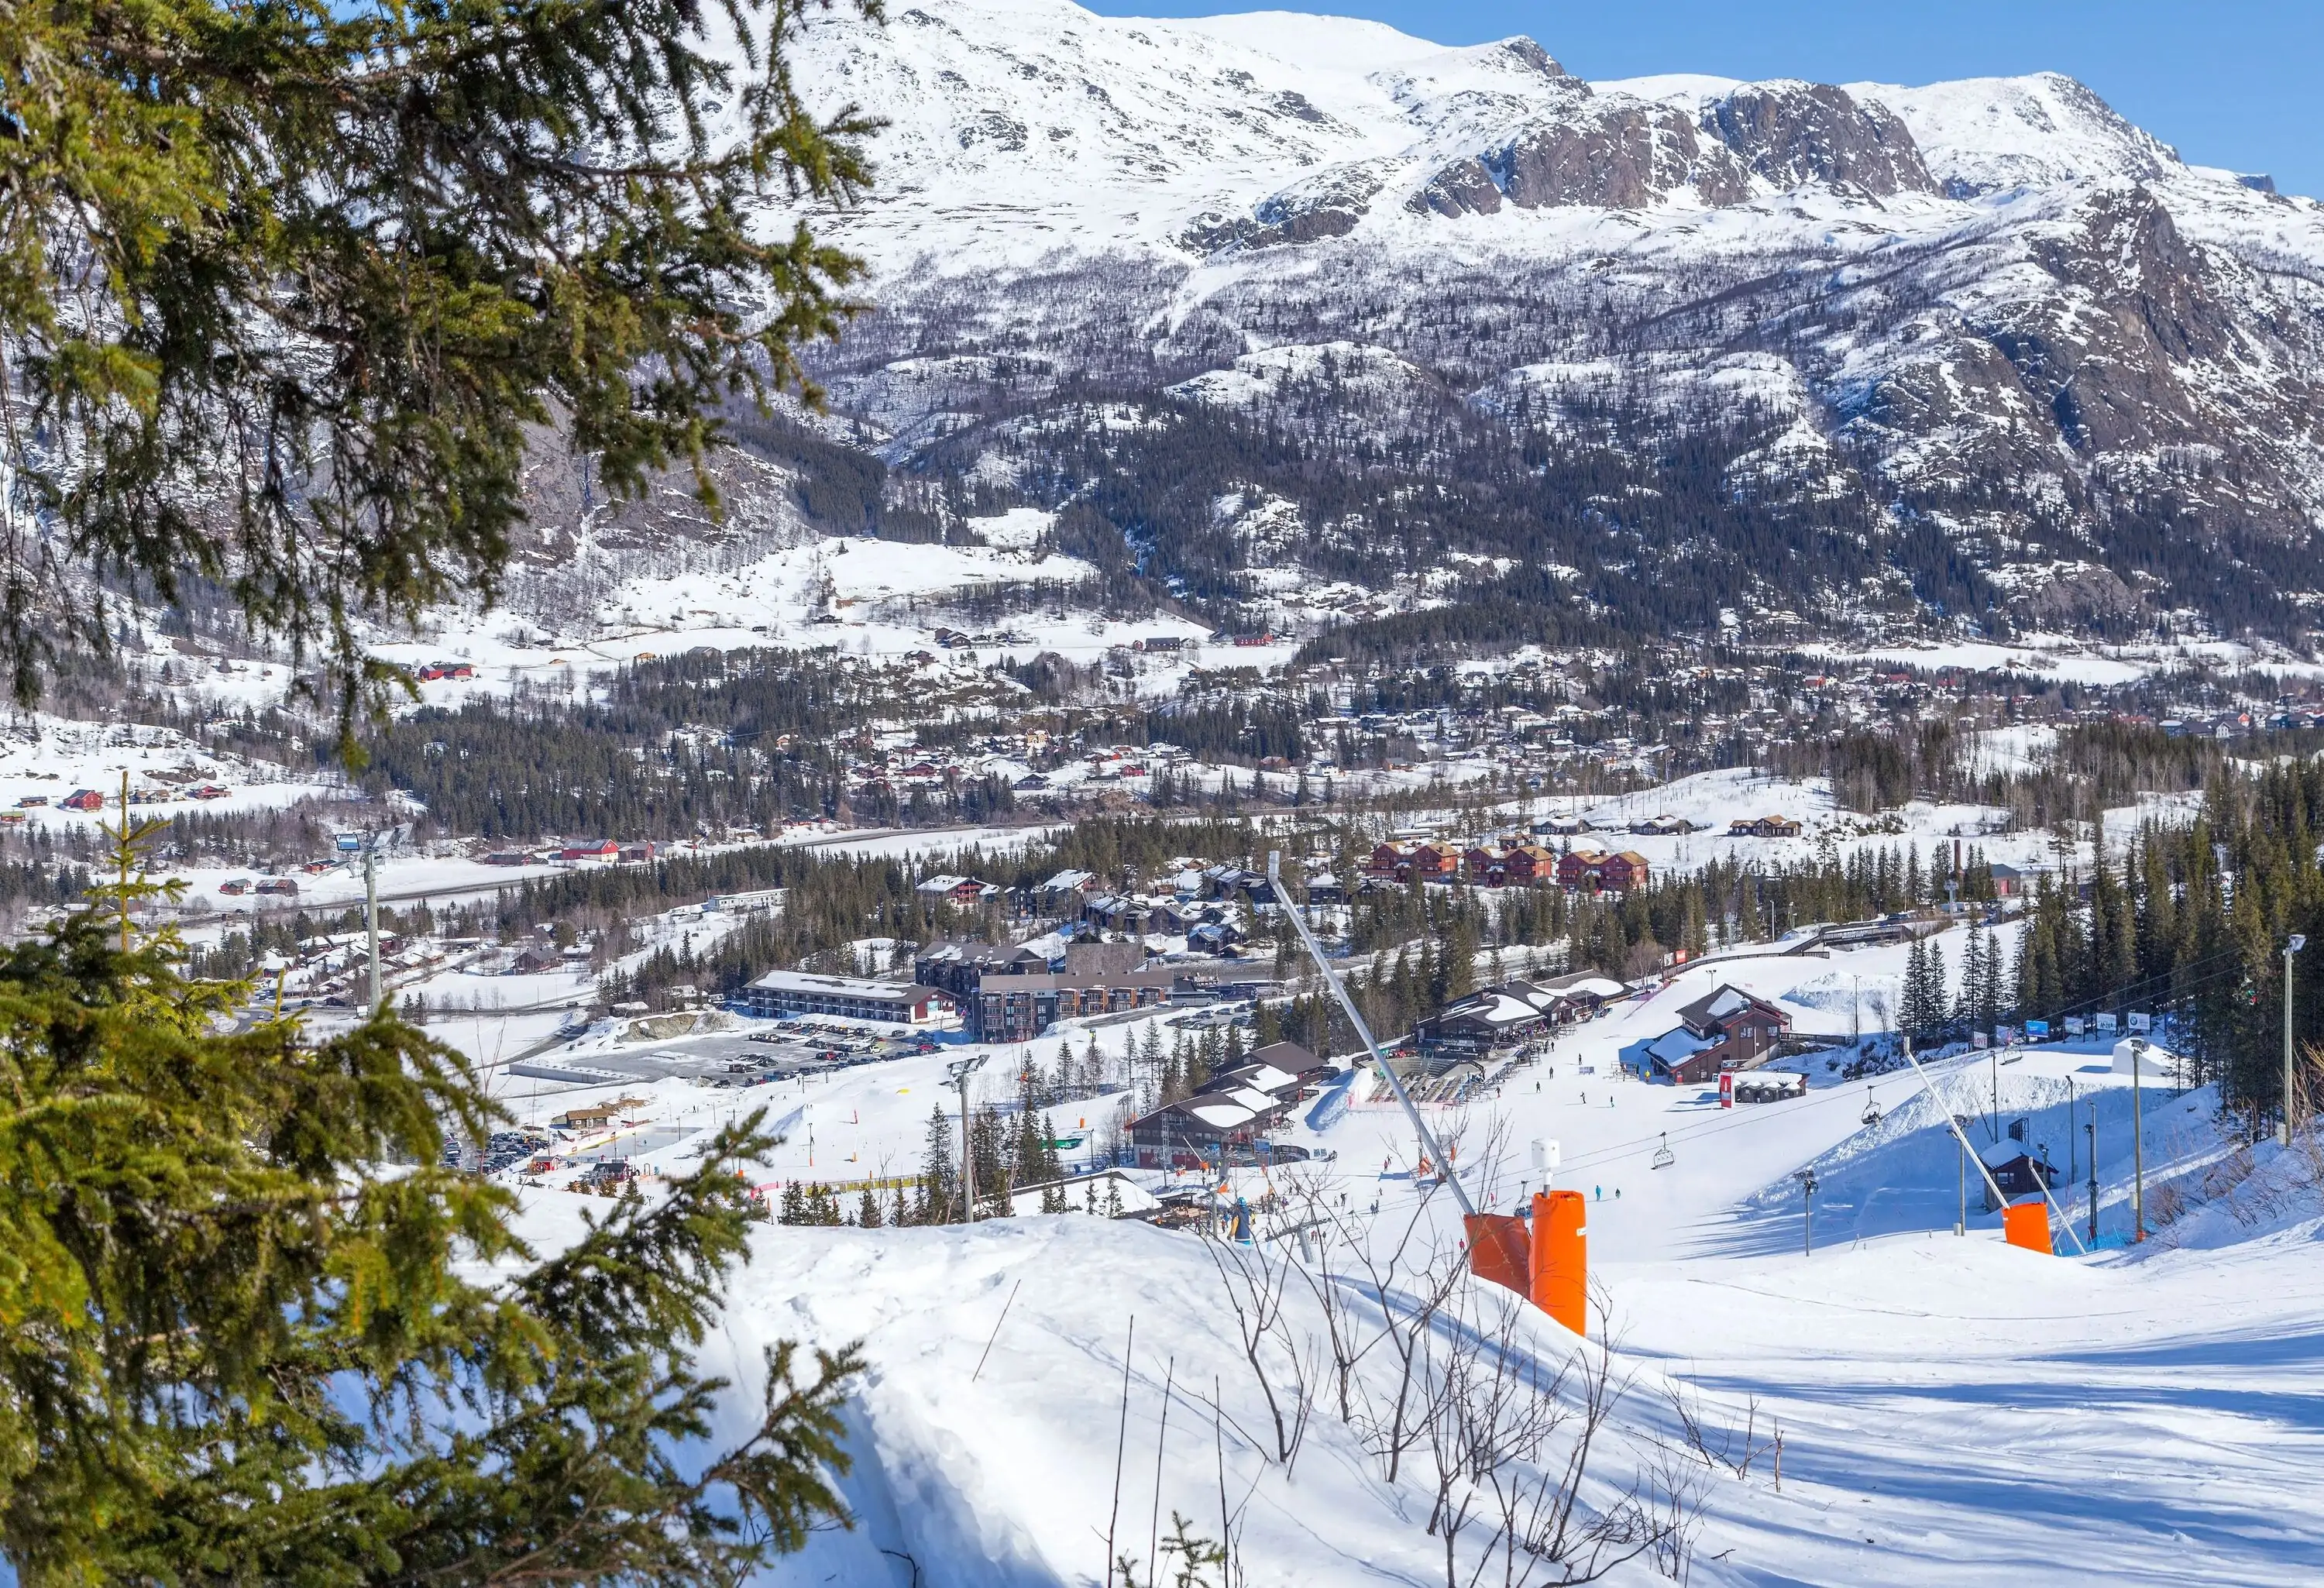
[1639,1145]
[1953,1122]
[1298,915]
[2136,990]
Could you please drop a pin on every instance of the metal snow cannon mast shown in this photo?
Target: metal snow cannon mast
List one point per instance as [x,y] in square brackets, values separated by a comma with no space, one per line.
[1548,1263]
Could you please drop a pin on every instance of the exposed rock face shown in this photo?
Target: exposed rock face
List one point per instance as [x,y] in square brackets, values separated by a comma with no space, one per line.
[2099,385]
[1533,56]
[1462,187]
[1617,154]
[1329,207]
[1796,132]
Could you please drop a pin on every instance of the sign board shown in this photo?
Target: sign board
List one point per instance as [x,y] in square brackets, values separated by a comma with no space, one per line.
[2037,1030]
[1727,1088]
[2002,1036]
[1980,1040]
[2104,1023]
[2075,1024]
[2140,1021]
[350,843]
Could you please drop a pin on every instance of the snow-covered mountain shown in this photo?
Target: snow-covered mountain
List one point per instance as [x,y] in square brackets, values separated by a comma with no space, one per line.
[1793,350]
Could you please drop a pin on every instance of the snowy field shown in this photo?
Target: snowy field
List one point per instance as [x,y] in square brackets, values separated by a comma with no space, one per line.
[1953,1410]
[45,759]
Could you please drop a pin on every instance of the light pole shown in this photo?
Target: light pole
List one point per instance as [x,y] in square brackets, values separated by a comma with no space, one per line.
[1960,1184]
[2093,1128]
[1807,1180]
[958,1072]
[2137,1142]
[2291,947]
[371,913]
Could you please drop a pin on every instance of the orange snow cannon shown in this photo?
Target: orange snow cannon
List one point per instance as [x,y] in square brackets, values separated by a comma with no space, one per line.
[2027,1225]
[1561,1258]
[1500,1249]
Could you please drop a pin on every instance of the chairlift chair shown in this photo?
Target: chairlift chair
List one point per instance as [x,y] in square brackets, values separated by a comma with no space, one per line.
[1663,1156]
[1871,1108]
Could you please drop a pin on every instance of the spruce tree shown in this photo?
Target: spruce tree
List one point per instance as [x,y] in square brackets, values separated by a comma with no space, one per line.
[986,1137]
[939,1195]
[1913,1015]
[1967,1011]
[235,1350]
[296,291]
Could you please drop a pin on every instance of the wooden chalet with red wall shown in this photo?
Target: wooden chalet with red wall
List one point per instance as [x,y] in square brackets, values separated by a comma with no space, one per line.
[1578,868]
[1623,872]
[1435,862]
[1389,860]
[1529,865]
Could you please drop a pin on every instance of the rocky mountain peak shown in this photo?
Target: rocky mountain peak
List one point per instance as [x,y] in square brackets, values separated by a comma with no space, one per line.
[1793,132]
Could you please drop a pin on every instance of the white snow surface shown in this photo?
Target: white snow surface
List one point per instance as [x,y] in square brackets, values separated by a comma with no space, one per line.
[1020,130]
[1952,1408]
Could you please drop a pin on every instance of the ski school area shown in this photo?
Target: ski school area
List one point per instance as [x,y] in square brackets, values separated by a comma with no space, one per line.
[1825,1341]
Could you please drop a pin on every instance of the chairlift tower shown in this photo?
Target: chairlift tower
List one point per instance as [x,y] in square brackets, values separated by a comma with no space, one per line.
[957,1074]
[368,844]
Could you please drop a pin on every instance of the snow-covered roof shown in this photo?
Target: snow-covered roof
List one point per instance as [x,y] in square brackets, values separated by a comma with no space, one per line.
[1678,1045]
[1222,1115]
[2009,1149]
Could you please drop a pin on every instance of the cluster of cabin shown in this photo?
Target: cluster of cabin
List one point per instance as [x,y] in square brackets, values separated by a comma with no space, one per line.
[1516,864]
[1230,1114]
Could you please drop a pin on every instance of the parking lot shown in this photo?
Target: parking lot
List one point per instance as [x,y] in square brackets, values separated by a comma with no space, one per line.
[773,1050]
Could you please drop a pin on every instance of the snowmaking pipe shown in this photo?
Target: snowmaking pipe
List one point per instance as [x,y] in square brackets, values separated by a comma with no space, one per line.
[1340,991]
[1991,1184]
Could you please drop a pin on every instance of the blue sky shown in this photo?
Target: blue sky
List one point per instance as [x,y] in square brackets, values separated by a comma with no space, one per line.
[2233,83]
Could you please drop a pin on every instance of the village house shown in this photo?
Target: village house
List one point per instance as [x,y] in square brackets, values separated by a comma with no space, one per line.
[1623,871]
[596,1116]
[1727,1028]
[1487,867]
[956,890]
[1578,868]
[1227,1119]
[1764,826]
[1389,859]
[1528,865]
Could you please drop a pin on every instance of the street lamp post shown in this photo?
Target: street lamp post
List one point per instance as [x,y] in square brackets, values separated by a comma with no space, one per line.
[1807,1180]
[2291,947]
